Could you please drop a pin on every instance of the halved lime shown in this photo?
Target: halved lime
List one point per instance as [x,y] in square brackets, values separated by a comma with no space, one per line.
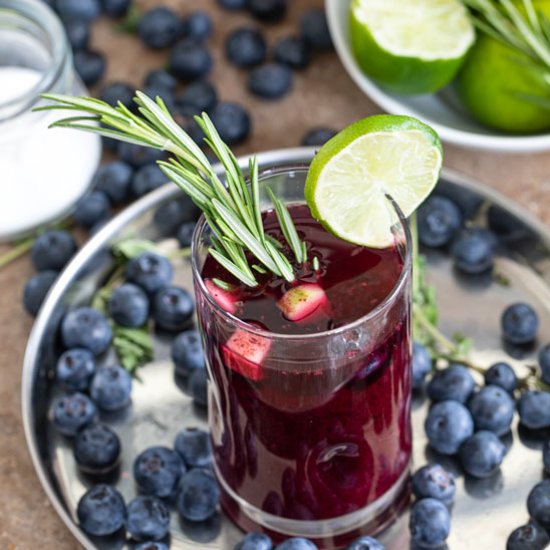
[410,46]
[352,173]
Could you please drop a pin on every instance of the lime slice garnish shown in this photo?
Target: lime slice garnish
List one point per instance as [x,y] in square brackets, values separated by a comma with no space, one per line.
[352,174]
[410,46]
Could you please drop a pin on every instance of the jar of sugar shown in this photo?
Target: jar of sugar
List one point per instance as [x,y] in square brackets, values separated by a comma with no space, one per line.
[43,172]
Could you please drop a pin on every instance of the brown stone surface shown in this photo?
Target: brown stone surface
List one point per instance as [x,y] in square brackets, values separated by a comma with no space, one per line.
[323,95]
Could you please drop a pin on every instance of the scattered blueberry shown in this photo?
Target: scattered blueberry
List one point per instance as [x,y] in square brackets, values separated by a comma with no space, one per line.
[538,503]
[544,363]
[448,425]
[438,220]
[201,94]
[114,179]
[492,409]
[270,81]
[193,446]
[116,8]
[189,60]
[78,33]
[36,289]
[150,271]
[86,327]
[187,352]
[546,455]
[151,546]
[430,523]
[198,26]
[269,11]
[255,541]
[198,495]
[318,136]
[111,388]
[160,27]
[147,179]
[137,155]
[172,308]
[421,364]
[292,51]
[168,217]
[232,122]
[232,4]
[296,543]
[129,305]
[157,471]
[534,409]
[156,92]
[91,209]
[75,368]
[481,454]
[52,250]
[86,10]
[162,79]
[198,386]
[148,518]
[101,510]
[246,47]
[433,481]
[366,543]
[116,92]
[71,413]
[96,449]
[472,252]
[528,537]
[519,323]
[454,382]
[314,29]
[503,375]
[185,234]
[90,65]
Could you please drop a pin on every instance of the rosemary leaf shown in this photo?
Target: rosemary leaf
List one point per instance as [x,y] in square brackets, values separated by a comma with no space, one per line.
[222,284]
[232,268]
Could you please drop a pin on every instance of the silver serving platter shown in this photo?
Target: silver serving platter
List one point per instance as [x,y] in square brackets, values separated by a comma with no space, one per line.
[485,511]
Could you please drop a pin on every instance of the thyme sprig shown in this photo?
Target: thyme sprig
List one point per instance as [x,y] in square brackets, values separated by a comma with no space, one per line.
[232,211]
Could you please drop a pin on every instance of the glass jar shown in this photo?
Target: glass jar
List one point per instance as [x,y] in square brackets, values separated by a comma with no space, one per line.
[42,172]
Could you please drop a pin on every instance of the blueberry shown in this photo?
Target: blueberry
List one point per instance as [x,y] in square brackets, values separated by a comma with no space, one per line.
[198,386]
[544,363]
[472,252]
[255,541]
[455,383]
[314,29]
[96,449]
[421,364]
[78,33]
[269,11]
[147,179]
[52,250]
[430,523]
[193,446]
[116,92]
[185,234]
[492,409]
[198,495]
[187,352]
[101,510]
[168,217]
[162,79]
[534,409]
[90,65]
[172,308]
[438,220]
[151,546]
[365,543]
[86,327]
[83,9]
[91,209]
[528,537]
[519,323]
[129,305]
[246,47]
[114,179]
[232,122]
[198,26]
[36,289]
[538,503]
[160,27]
[116,8]
[189,60]
[157,471]
[270,81]
[138,156]
[111,388]
[71,413]
[502,374]
[292,51]
[296,543]
[433,481]
[318,136]
[232,4]
[75,368]
[148,518]
[201,94]
[481,454]
[149,271]
[447,426]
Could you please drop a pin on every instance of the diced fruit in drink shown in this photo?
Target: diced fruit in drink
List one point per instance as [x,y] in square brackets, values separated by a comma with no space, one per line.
[245,352]
[301,301]
[226,299]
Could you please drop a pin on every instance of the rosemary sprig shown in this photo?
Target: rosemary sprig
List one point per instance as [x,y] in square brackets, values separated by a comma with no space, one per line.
[232,210]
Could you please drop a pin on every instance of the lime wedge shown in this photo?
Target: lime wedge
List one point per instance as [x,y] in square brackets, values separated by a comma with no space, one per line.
[352,173]
[410,46]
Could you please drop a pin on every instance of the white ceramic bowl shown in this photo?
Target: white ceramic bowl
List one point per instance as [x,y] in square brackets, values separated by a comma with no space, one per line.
[440,110]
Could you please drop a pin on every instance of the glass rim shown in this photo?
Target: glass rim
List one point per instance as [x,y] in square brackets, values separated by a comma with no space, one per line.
[373,313]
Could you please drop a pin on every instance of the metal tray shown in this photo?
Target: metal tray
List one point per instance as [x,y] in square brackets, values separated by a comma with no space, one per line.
[484,512]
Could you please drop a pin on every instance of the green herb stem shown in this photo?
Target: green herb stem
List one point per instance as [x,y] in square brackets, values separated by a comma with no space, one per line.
[16,251]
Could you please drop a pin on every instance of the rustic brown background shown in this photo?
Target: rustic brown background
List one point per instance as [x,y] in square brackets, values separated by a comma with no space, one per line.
[322,95]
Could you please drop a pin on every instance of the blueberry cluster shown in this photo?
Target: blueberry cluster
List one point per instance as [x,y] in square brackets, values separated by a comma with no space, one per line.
[259,541]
